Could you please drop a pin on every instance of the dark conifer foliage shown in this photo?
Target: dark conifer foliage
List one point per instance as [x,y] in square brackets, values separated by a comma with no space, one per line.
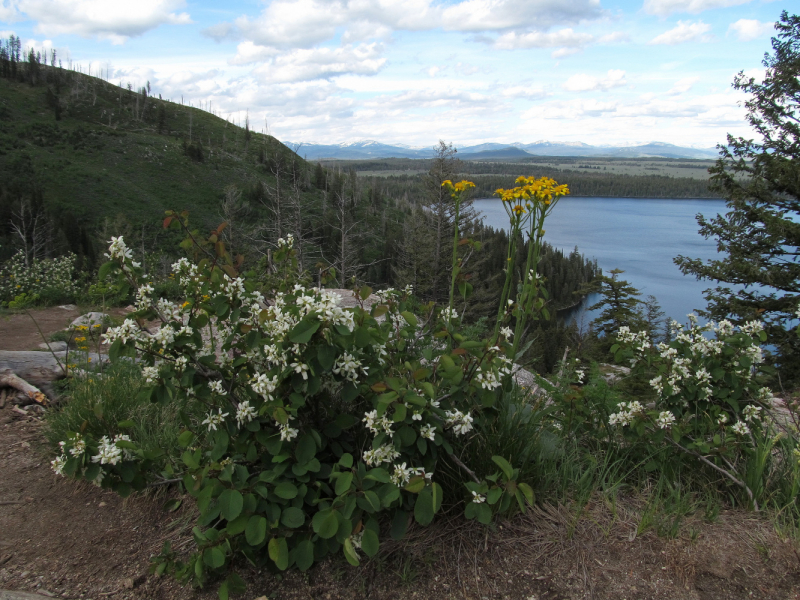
[761,182]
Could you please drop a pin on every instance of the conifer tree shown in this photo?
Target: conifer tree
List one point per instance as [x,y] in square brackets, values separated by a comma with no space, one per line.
[759,237]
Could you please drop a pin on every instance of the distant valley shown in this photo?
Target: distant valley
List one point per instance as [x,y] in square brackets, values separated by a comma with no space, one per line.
[494,151]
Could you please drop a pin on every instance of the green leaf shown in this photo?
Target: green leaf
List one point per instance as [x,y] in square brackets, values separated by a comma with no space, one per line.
[362,337]
[221,441]
[223,591]
[230,504]
[350,552]
[328,524]
[237,526]
[185,438]
[400,412]
[256,530]
[369,543]
[423,508]
[285,490]
[410,318]
[293,517]
[304,555]
[399,525]
[172,505]
[484,513]
[279,553]
[306,449]
[327,356]
[302,332]
[416,484]
[343,483]
[346,461]
[373,500]
[527,491]
[214,557]
[504,465]
[437,494]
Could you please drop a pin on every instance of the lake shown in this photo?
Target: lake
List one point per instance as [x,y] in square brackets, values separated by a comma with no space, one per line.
[638,235]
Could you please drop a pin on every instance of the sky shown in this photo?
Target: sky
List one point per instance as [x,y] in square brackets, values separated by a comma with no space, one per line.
[602,72]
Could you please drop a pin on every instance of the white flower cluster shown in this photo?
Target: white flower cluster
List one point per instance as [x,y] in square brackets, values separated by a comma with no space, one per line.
[287,242]
[752,412]
[265,385]
[118,250]
[665,420]
[287,433]
[38,276]
[448,314]
[245,413]
[214,420]
[382,454]
[627,413]
[348,367]
[459,421]
[740,428]
[402,474]
[150,374]
[108,453]
[378,424]
[129,330]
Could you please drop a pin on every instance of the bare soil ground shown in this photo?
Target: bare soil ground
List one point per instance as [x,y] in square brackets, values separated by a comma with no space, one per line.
[63,539]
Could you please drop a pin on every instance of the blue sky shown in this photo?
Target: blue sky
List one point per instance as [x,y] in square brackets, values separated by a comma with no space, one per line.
[414,72]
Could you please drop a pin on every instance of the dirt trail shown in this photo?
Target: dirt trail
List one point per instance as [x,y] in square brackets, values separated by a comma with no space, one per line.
[72,540]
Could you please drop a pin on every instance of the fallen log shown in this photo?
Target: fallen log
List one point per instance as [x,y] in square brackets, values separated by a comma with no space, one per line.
[9,379]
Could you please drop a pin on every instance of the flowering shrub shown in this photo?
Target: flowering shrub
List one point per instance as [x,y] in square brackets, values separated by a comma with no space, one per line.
[317,418]
[708,399]
[49,277]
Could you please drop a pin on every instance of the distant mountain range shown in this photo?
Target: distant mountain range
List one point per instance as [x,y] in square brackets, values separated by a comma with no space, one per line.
[369,149]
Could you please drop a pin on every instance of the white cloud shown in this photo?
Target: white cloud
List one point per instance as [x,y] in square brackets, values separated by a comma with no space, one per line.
[432,71]
[750,29]
[664,8]
[113,21]
[498,15]
[615,37]
[683,85]
[588,83]
[565,38]
[466,69]
[322,63]
[306,23]
[8,12]
[524,91]
[684,31]
[220,31]
[248,53]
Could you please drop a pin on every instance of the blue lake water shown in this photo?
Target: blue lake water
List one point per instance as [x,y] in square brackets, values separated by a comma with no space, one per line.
[638,235]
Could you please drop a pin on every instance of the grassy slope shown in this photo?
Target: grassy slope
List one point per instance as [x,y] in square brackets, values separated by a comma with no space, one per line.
[100,160]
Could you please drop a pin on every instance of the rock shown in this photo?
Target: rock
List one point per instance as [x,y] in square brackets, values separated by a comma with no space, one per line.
[68,307]
[54,346]
[613,373]
[91,319]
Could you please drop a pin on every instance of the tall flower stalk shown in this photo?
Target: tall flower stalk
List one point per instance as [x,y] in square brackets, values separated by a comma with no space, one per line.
[457,192]
[527,205]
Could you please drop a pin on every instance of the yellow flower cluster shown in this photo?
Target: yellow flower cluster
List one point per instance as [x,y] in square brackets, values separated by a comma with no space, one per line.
[457,189]
[530,190]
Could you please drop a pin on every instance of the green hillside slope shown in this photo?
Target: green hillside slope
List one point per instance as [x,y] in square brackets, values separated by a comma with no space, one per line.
[91,150]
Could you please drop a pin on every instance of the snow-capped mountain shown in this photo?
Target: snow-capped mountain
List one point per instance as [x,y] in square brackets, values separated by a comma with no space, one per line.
[370,149]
